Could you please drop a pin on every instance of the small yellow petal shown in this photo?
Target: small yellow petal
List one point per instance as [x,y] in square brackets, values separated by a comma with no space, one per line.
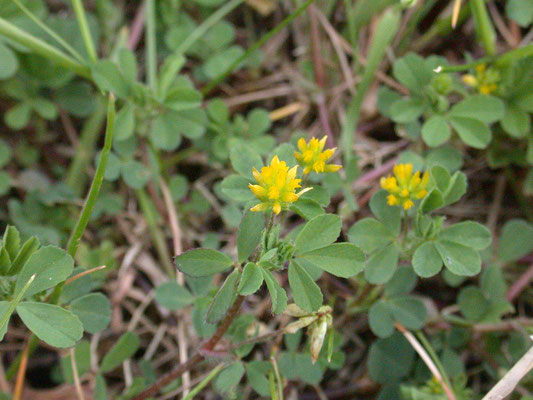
[332,168]
[259,207]
[276,207]
[392,200]
[258,191]
[407,204]
[302,145]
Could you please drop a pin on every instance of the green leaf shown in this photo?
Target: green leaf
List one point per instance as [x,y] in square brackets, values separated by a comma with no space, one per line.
[78,98]
[467,233]
[9,64]
[319,232]
[432,201]
[251,280]
[370,234]
[51,265]
[426,260]
[393,352]
[459,259]
[28,248]
[173,296]
[277,293]
[236,188]
[380,267]
[229,378]
[181,98]
[190,123]
[411,71]
[389,216]
[403,281]
[472,131]
[380,319]
[257,373]
[409,312]
[487,109]
[307,208]
[340,259]
[472,303]
[456,188]
[224,298]
[249,236]
[436,131]
[135,174]
[50,323]
[244,159]
[516,122]
[93,310]
[163,134]
[128,63]
[221,61]
[516,240]
[125,122]
[108,78]
[521,11]
[306,293]
[18,116]
[407,110]
[203,262]
[11,241]
[125,347]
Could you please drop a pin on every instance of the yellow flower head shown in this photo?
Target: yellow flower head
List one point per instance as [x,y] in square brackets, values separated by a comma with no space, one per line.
[485,80]
[313,157]
[404,186]
[276,187]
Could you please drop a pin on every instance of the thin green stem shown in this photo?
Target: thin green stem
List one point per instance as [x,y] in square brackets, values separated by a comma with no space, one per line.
[150,214]
[198,388]
[420,335]
[484,27]
[97,181]
[207,24]
[14,303]
[42,48]
[84,29]
[214,83]
[151,48]
[49,31]
[90,132]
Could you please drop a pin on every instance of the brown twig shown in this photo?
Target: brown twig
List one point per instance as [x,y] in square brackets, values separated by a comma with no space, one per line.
[198,357]
[21,373]
[137,28]
[521,283]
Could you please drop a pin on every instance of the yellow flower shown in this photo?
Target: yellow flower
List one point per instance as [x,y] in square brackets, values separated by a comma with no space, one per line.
[276,186]
[313,157]
[485,80]
[404,186]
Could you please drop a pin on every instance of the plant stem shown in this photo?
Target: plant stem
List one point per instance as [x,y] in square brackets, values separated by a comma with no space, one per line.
[76,176]
[198,357]
[151,49]
[49,31]
[97,181]
[484,28]
[211,85]
[420,335]
[42,48]
[208,23]
[386,30]
[14,303]
[198,388]
[148,210]
[84,29]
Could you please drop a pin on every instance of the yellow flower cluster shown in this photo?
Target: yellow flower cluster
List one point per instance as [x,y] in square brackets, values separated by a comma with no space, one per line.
[313,157]
[485,80]
[404,186]
[276,187]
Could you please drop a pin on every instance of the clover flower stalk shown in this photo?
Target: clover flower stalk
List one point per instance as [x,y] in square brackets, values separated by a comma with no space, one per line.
[276,188]
[405,187]
[313,157]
